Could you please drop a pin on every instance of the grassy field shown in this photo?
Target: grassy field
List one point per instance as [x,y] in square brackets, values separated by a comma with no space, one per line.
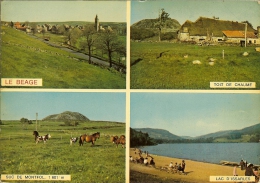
[26,57]
[100,163]
[163,66]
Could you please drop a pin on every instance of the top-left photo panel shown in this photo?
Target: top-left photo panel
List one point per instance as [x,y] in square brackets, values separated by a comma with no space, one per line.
[63,44]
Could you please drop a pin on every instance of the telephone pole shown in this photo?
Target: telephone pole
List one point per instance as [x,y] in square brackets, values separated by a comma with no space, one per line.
[36,120]
[245,33]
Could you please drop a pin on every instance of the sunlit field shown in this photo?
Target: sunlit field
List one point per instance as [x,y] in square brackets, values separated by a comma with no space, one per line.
[102,162]
[170,65]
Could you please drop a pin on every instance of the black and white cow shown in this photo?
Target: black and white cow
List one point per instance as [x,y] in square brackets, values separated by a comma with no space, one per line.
[43,138]
[73,140]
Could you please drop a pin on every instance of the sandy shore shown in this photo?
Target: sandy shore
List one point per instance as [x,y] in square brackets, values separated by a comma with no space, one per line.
[196,171]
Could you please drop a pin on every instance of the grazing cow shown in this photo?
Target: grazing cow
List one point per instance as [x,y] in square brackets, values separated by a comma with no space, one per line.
[73,140]
[36,134]
[43,138]
[121,140]
[113,139]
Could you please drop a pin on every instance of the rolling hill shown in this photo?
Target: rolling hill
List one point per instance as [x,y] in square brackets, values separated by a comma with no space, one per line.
[245,131]
[56,67]
[159,133]
[251,132]
[171,25]
[67,115]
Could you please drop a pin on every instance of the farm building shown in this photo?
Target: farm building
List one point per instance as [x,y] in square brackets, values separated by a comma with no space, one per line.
[239,37]
[209,29]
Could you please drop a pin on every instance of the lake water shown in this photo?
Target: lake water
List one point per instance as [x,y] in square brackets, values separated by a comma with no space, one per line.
[209,152]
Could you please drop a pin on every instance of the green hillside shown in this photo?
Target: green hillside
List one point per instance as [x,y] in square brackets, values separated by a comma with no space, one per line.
[171,25]
[248,134]
[158,133]
[25,57]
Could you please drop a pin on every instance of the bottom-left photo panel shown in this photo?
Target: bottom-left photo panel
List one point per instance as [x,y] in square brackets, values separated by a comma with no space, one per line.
[63,136]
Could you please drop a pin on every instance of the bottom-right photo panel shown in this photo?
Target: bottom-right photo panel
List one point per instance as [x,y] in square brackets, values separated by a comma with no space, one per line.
[194,137]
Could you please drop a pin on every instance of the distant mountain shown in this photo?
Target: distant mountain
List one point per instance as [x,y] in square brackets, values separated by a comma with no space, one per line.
[171,25]
[255,129]
[67,115]
[158,133]
[215,134]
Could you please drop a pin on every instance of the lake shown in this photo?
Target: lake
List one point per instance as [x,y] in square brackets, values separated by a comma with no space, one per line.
[209,152]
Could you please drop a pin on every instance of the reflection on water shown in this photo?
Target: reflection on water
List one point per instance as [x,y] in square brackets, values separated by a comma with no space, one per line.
[209,152]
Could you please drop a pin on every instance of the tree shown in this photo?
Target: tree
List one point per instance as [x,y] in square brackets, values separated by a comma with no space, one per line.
[25,122]
[163,16]
[89,35]
[34,28]
[73,35]
[108,40]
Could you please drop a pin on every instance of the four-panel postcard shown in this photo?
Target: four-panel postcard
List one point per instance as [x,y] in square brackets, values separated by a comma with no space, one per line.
[130,91]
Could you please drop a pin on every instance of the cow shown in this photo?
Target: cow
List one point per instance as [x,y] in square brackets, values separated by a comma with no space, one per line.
[43,138]
[73,140]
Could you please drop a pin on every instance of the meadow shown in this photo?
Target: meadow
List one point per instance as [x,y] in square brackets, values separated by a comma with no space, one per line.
[102,162]
[25,57]
[162,65]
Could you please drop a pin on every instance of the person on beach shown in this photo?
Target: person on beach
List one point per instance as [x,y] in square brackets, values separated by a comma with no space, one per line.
[176,166]
[242,164]
[249,170]
[171,165]
[152,162]
[145,161]
[179,167]
[235,171]
[183,165]
[256,174]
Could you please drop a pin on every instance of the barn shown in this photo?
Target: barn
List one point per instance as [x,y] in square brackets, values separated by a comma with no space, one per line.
[239,37]
[211,29]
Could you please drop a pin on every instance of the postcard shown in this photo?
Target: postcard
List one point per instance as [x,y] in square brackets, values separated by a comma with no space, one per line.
[62,136]
[194,137]
[63,44]
[195,44]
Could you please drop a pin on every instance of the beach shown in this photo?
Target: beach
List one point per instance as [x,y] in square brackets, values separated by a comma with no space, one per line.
[194,171]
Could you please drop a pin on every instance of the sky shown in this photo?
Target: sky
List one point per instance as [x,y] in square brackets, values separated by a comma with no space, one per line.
[182,10]
[95,106]
[58,11]
[194,114]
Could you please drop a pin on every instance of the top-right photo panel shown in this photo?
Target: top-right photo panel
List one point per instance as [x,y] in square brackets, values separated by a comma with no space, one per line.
[195,44]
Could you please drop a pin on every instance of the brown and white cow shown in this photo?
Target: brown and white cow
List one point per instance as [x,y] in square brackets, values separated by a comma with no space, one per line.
[73,140]
[43,138]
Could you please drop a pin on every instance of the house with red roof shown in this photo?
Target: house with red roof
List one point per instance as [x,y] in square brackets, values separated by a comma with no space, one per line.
[215,30]
[236,36]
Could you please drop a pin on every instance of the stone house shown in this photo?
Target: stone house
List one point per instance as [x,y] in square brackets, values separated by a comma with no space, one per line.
[208,29]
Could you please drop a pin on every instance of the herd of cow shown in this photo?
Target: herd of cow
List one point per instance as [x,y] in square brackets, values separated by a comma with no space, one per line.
[83,138]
